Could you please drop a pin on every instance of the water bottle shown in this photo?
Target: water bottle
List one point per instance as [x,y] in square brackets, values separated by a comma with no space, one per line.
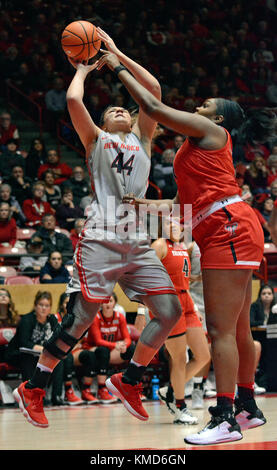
[155,387]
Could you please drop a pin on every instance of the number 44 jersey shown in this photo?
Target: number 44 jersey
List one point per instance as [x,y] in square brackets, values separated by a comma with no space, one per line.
[116,168]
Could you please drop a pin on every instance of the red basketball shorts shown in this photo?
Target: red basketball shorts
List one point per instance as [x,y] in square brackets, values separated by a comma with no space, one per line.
[230,238]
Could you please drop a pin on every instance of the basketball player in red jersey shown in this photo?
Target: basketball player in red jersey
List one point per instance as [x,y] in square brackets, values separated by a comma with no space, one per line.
[188,330]
[231,243]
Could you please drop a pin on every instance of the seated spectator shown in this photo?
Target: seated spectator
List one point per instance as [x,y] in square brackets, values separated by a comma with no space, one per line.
[36,157]
[68,211]
[25,79]
[75,232]
[178,142]
[31,264]
[271,92]
[248,197]
[8,130]
[54,271]
[251,151]
[35,208]
[33,330]
[62,306]
[10,157]
[62,171]
[8,317]
[21,185]
[109,332]
[53,240]
[16,211]
[273,190]
[78,184]
[53,193]
[267,208]
[86,202]
[256,175]
[261,309]
[272,167]
[261,314]
[55,101]
[7,226]
[163,174]
[8,314]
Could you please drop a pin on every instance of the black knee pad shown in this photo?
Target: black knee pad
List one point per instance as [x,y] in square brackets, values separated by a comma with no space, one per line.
[89,363]
[60,333]
[68,365]
[103,359]
[127,356]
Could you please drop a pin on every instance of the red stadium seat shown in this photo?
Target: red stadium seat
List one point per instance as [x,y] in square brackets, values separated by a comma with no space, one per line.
[7,271]
[24,233]
[18,280]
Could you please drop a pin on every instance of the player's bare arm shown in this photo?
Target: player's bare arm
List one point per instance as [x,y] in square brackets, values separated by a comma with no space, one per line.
[81,119]
[190,124]
[130,198]
[144,126]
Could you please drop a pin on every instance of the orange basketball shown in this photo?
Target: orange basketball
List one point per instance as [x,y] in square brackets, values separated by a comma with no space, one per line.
[80,40]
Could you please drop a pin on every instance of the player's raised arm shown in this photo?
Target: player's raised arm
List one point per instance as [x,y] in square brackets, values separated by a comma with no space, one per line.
[145,125]
[81,119]
[190,124]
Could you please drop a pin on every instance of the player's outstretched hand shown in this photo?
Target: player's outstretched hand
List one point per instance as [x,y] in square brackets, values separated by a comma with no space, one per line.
[85,66]
[130,198]
[108,58]
[107,40]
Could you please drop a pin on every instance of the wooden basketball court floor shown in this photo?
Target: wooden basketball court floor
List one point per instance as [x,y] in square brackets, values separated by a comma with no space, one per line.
[111,427]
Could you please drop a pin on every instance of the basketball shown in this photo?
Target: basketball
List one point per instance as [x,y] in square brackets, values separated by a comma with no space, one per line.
[80,40]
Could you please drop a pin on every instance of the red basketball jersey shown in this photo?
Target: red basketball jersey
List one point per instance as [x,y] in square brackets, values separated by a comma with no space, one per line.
[177,264]
[204,176]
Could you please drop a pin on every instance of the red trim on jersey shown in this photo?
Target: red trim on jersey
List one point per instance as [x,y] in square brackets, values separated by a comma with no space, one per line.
[84,286]
[160,290]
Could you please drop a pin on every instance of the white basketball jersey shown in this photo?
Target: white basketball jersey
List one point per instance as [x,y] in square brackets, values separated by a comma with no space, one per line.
[116,168]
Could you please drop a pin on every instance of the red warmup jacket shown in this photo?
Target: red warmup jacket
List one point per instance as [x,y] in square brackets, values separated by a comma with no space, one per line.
[8,232]
[107,331]
[34,210]
[66,171]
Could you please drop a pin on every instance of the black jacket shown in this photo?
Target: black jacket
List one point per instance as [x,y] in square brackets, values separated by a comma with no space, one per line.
[23,335]
[63,243]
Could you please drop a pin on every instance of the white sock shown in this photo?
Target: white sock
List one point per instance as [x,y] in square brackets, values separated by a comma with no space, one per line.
[136,363]
[44,368]
[197,380]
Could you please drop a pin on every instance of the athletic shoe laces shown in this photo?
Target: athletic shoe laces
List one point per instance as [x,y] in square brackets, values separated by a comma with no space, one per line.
[37,399]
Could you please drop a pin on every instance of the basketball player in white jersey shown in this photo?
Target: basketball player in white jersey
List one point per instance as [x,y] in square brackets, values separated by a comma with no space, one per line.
[118,159]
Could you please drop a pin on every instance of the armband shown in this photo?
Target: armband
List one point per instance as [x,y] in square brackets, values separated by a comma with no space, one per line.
[119,68]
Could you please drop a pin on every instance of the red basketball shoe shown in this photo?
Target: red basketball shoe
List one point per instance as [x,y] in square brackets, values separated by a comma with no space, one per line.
[30,402]
[130,395]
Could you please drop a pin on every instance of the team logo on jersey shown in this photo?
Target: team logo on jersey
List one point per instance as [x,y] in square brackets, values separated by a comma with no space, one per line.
[231,228]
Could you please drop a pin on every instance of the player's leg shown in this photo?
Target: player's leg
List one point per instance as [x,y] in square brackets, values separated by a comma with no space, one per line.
[225,292]
[247,413]
[197,342]
[80,315]
[176,347]
[167,310]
